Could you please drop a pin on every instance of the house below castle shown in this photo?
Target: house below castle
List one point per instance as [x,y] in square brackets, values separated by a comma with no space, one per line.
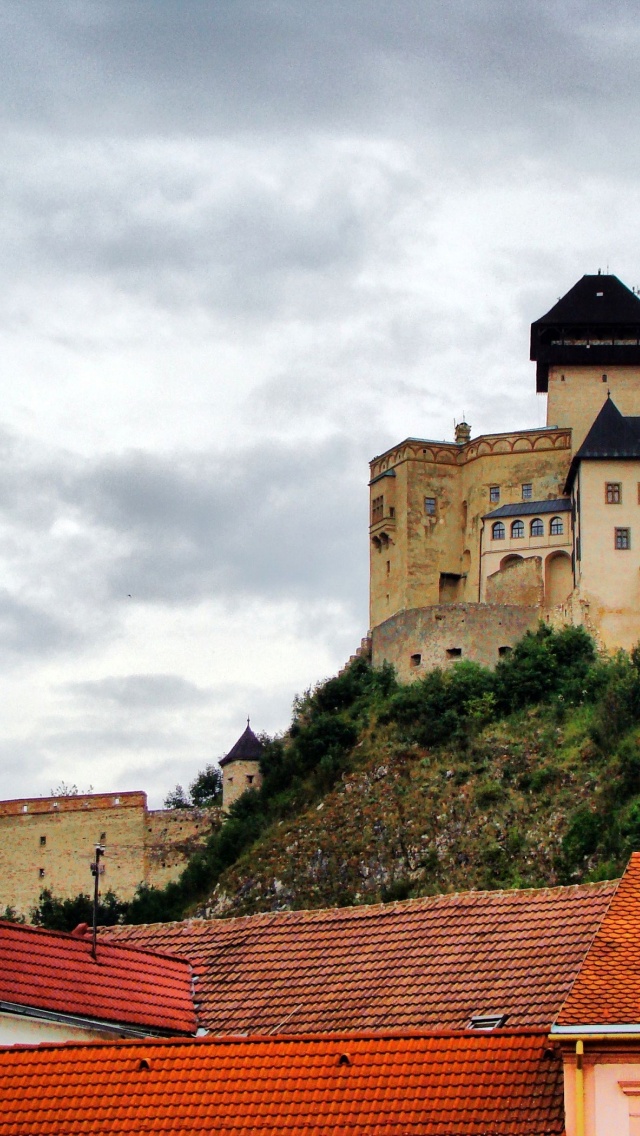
[473,541]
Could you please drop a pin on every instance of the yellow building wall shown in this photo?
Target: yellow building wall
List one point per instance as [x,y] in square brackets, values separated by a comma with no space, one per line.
[576,395]
[609,578]
[140,846]
[405,573]
[237,778]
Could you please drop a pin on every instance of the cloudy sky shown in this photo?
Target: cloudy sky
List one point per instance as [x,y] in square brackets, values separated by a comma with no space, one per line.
[246,246]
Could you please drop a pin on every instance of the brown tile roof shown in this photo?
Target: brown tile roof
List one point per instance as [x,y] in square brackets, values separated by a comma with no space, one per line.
[424,963]
[56,972]
[607,989]
[506,1083]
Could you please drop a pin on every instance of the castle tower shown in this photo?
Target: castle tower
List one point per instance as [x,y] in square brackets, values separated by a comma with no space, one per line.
[241,768]
[586,345]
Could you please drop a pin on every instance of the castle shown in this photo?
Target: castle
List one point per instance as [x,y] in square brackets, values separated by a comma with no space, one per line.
[472,542]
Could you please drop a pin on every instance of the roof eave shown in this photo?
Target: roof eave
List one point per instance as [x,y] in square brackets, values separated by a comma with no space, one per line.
[101,1025]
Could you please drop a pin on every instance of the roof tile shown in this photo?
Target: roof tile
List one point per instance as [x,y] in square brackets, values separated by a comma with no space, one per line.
[49,970]
[423,963]
[607,988]
[432,1084]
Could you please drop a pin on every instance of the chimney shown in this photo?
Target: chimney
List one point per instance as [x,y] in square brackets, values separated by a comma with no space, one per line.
[463,433]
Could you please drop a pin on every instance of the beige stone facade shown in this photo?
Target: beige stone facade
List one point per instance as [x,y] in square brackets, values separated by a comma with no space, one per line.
[463,532]
[48,842]
[238,777]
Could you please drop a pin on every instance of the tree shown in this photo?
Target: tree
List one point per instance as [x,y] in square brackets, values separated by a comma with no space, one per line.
[206,790]
[177,799]
[65,914]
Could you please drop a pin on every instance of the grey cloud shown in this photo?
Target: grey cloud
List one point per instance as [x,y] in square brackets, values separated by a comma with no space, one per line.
[159,693]
[275,521]
[379,66]
[28,631]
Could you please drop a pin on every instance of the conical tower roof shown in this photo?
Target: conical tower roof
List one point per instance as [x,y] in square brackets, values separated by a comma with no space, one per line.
[612,436]
[247,748]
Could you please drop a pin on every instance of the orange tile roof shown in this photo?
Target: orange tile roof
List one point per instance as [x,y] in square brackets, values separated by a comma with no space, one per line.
[607,988]
[447,1084]
[52,971]
[421,964]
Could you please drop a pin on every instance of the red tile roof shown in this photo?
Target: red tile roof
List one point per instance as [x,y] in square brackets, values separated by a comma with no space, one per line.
[421,964]
[48,970]
[607,989]
[507,1083]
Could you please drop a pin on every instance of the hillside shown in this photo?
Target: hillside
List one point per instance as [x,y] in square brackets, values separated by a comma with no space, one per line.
[524,776]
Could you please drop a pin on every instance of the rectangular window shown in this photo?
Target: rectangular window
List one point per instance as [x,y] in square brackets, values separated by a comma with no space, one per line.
[430,506]
[377,510]
[527,491]
[613,492]
[41,873]
[494,494]
[623,538]
[43,841]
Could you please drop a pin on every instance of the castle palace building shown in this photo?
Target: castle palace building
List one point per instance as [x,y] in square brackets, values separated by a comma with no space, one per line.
[474,541]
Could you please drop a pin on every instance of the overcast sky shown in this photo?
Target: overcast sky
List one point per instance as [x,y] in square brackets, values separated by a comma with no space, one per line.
[248,245]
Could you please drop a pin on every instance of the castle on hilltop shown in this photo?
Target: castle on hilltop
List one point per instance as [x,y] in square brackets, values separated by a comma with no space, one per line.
[473,541]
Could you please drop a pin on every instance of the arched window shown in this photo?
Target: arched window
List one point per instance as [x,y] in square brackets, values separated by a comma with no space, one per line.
[517,530]
[556,528]
[537,527]
[497,531]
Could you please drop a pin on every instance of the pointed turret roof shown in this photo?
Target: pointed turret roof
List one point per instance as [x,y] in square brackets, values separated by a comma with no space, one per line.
[247,748]
[596,323]
[612,436]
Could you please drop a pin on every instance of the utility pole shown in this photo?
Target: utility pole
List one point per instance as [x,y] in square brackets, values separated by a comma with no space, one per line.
[95,872]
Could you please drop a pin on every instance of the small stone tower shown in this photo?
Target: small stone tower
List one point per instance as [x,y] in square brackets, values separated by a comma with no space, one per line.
[241,768]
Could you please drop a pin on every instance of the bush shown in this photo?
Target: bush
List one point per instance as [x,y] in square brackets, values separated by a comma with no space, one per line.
[65,914]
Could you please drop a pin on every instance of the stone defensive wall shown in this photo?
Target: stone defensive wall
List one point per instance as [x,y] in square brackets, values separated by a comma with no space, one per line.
[49,842]
[440,635]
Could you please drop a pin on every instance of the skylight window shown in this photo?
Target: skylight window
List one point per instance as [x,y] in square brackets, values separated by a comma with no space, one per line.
[488,1021]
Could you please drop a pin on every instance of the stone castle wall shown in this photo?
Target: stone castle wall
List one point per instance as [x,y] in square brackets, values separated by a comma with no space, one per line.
[48,842]
[418,640]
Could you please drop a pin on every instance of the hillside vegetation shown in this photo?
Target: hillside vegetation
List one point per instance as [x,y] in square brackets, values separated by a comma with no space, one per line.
[524,776]
[521,777]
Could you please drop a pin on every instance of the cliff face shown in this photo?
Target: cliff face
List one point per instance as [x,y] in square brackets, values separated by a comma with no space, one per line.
[407,820]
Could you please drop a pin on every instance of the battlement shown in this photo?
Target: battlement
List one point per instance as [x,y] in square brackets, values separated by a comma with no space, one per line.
[77,802]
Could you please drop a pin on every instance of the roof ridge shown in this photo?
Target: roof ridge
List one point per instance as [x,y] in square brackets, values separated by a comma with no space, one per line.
[68,936]
[279,1038]
[364,909]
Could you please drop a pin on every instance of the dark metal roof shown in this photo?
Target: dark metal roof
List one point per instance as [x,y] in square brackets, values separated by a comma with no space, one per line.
[596,323]
[530,508]
[612,436]
[594,301]
[247,748]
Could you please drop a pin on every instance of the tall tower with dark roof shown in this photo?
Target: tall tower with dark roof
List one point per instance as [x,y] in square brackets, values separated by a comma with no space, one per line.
[241,767]
[586,345]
